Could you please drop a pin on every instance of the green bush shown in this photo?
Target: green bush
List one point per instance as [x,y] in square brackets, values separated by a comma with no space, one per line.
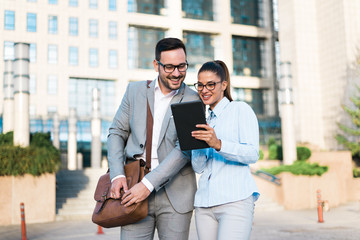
[271,141]
[356,172]
[261,155]
[299,168]
[7,138]
[303,153]
[40,157]
[275,152]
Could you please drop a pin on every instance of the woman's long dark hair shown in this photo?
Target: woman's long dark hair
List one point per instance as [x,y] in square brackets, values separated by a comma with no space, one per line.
[220,69]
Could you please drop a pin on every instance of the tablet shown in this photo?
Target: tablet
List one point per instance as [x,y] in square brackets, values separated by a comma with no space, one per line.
[186,115]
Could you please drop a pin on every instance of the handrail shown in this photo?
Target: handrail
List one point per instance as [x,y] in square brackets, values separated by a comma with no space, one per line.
[267,176]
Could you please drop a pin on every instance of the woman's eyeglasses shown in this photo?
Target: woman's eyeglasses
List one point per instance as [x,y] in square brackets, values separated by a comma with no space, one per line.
[209,86]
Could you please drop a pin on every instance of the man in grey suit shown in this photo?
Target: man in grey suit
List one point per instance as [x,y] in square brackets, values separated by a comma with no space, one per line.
[171,176]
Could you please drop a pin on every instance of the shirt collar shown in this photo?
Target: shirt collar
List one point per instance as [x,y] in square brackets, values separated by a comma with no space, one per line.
[157,88]
[220,106]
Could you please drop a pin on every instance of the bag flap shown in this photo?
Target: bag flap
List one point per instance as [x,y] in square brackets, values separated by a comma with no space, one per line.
[102,191]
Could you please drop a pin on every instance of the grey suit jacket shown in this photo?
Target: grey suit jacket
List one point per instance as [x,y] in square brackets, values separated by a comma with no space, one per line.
[127,138]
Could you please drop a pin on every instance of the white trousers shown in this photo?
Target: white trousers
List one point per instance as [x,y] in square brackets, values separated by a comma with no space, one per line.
[225,222]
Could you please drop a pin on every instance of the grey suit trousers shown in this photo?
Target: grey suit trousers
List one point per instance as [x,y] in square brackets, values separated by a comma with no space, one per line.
[170,224]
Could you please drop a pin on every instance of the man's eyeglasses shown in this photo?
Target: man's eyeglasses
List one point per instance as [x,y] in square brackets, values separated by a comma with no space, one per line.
[209,86]
[169,68]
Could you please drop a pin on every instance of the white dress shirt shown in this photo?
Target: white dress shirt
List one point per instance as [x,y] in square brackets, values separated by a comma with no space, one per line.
[161,105]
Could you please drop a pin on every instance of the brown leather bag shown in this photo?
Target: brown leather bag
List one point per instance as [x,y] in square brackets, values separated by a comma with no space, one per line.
[109,212]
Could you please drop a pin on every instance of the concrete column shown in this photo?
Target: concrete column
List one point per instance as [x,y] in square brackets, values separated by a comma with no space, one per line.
[287,114]
[8,111]
[72,142]
[95,130]
[56,131]
[21,95]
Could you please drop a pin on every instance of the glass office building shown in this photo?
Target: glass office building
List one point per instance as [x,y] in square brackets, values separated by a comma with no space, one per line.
[76,46]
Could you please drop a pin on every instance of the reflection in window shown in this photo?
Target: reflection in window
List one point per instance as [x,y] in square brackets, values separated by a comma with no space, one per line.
[198,9]
[32,84]
[31,22]
[73,56]
[199,48]
[156,7]
[112,5]
[247,54]
[93,4]
[93,57]
[52,24]
[248,12]
[113,59]
[112,30]
[73,3]
[73,26]
[141,44]
[253,97]
[53,2]
[9,23]
[32,52]
[93,28]
[52,54]
[80,92]
[9,50]
[52,85]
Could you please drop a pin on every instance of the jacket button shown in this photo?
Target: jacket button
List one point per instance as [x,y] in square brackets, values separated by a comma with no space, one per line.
[141,145]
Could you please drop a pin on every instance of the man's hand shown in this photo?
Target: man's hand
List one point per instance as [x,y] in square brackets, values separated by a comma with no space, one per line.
[137,193]
[116,186]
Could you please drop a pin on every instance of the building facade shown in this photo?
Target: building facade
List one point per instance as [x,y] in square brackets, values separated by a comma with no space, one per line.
[78,45]
[321,39]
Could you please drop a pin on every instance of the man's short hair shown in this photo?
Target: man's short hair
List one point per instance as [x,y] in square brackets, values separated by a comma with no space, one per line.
[167,44]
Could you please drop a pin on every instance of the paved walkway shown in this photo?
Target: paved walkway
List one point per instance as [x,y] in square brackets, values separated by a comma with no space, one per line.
[341,223]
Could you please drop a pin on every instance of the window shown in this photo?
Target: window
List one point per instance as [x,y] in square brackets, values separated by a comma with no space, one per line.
[93,4]
[248,12]
[73,3]
[73,56]
[52,24]
[32,84]
[53,2]
[253,97]
[51,110]
[112,5]
[9,21]
[80,92]
[141,44]
[32,111]
[32,52]
[52,85]
[31,22]
[73,26]
[112,30]
[200,49]
[247,60]
[9,50]
[93,28]
[93,57]
[147,6]
[198,9]
[32,0]
[113,59]
[52,54]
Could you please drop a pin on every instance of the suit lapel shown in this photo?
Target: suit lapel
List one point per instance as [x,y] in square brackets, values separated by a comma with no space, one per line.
[177,98]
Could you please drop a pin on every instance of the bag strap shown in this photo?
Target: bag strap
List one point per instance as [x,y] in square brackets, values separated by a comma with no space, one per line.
[149,130]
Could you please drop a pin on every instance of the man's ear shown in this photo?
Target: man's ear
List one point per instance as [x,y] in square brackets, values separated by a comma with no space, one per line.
[156,65]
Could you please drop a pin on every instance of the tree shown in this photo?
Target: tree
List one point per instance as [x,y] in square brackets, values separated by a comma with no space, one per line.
[351,143]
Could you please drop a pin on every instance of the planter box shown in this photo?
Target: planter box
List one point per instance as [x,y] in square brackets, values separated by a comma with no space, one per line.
[337,186]
[37,193]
